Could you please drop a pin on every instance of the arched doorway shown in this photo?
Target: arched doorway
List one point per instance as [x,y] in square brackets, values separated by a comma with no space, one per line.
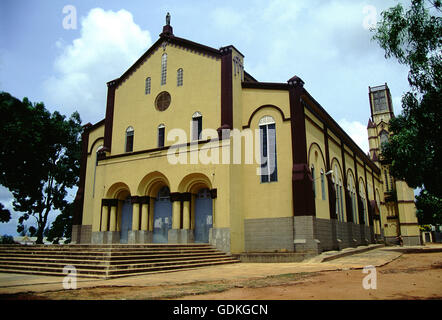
[162,216]
[126,220]
[203,215]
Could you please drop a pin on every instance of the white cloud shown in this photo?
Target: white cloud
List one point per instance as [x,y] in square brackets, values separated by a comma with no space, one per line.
[357,131]
[109,44]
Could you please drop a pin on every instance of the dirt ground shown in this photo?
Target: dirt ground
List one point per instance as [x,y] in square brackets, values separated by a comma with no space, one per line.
[411,276]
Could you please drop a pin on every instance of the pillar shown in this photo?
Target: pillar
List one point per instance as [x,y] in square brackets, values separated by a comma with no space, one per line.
[144,235]
[192,211]
[104,217]
[135,216]
[176,208]
[186,214]
[144,216]
[151,213]
[113,218]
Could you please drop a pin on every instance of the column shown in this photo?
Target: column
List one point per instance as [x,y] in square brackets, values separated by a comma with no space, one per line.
[186,214]
[176,208]
[151,212]
[113,218]
[135,214]
[104,216]
[145,214]
[192,211]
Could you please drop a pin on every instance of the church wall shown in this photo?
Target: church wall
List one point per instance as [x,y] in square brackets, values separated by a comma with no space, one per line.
[252,99]
[267,207]
[200,92]
[316,157]
[90,188]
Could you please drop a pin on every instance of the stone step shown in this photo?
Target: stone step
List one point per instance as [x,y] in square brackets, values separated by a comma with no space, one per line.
[105,246]
[4,253]
[139,271]
[113,261]
[115,270]
[117,274]
[95,249]
[104,261]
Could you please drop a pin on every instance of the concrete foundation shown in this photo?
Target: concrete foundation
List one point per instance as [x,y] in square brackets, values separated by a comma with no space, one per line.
[97,237]
[145,237]
[305,240]
[180,236]
[111,237]
[272,234]
[81,234]
[268,257]
[220,238]
[411,240]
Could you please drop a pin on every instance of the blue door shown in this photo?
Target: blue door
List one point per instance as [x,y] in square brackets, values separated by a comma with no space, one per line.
[162,216]
[126,220]
[203,216]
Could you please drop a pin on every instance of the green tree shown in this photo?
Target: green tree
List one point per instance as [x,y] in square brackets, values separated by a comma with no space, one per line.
[39,158]
[429,208]
[5,215]
[414,37]
[62,226]
[7,239]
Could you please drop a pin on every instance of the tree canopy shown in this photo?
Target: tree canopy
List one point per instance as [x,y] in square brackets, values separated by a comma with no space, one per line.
[39,158]
[414,37]
[5,215]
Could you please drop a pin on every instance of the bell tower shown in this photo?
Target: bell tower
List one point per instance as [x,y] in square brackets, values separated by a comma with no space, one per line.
[397,208]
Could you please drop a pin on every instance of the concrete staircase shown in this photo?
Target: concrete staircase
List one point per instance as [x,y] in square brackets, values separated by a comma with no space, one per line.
[108,261]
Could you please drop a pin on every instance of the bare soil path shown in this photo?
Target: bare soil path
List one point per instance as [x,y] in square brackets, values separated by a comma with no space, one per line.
[407,276]
[411,276]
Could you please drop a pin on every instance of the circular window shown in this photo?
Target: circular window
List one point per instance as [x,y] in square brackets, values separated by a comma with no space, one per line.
[162,101]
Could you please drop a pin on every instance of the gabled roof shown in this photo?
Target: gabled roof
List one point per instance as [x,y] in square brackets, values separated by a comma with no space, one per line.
[169,39]
[371,124]
[248,77]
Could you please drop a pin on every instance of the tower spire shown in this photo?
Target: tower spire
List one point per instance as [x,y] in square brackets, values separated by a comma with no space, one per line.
[167,28]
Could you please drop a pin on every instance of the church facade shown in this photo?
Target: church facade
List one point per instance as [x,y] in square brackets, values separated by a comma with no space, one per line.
[193,149]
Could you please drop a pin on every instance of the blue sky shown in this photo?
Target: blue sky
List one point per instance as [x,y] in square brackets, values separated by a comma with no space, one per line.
[324,42]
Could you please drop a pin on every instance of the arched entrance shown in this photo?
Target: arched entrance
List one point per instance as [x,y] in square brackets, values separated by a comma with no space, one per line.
[126,220]
[203,215]
[162,216]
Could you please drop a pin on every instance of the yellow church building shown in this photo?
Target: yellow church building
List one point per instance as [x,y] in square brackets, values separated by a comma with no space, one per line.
[193,149]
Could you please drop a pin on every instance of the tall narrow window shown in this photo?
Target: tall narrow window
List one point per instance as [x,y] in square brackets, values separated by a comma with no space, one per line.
[339,197]
[313,181]
[323,184]
[386,181]
[352,191]
[179,81]
[95,168]
[147,89]
[267,130]
[163,68]
[355,213]
[338,202]
[197,126]
[129,139]
[362,196]
[161,131]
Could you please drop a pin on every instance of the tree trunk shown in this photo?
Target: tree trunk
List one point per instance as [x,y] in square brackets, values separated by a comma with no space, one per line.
[40,235]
